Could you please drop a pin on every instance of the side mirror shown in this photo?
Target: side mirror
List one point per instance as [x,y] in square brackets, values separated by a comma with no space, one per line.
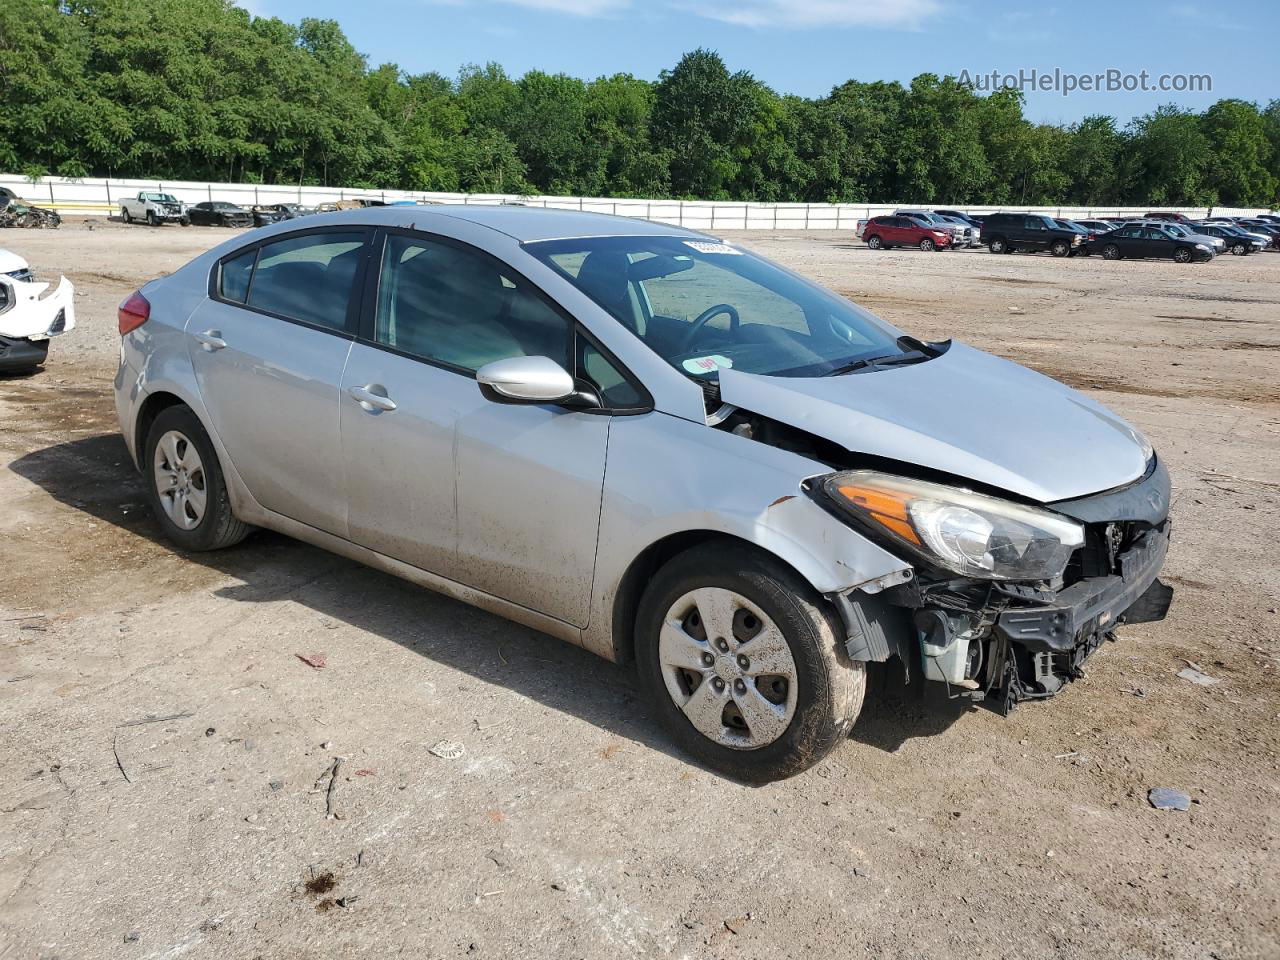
[531,380]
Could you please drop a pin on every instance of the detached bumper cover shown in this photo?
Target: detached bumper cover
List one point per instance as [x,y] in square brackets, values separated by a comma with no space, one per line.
[28,313]
[1096,605]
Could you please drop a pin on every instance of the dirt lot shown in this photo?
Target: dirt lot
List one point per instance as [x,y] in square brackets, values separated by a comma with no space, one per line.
[570,827]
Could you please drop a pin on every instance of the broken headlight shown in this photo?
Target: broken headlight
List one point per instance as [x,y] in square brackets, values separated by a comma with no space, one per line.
[967,533]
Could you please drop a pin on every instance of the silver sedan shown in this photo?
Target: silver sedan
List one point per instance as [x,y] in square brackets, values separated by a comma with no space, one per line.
[651,443]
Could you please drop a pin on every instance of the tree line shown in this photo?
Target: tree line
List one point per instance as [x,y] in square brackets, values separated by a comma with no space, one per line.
[202,90]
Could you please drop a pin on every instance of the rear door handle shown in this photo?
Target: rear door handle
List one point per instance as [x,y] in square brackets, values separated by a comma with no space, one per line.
[374,402]
[211,340]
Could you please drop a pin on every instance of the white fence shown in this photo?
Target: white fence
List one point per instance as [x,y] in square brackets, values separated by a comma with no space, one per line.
[98,197]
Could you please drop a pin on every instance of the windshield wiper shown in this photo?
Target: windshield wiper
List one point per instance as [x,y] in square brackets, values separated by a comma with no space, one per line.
[882,360]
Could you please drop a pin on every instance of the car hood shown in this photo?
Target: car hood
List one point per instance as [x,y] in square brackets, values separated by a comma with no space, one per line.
[965,412]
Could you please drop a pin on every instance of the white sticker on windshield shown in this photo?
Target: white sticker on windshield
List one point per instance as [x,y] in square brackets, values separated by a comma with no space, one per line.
[707,364]
[710,246]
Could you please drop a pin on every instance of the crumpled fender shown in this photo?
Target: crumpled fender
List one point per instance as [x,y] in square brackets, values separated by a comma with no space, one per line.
[29,315]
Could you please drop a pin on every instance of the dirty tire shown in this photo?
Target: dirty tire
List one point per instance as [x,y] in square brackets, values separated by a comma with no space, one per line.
[218,528]
[874,242]
[125,215]
[830,686]
[1060,248]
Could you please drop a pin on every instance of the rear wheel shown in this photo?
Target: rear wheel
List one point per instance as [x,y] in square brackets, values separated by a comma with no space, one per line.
[1060,248]
[1182,255]
[185,485]
[1110,252]
[744,663]
[874,242]
[927,245]
[124,213]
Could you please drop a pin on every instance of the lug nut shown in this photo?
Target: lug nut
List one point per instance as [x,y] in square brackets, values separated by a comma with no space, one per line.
[708,659]
[739,686]
[722,645]
[717,684]
[743,662]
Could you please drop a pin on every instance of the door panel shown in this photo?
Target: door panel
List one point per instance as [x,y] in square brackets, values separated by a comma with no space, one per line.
[399,464]
[272,396]
[529,486]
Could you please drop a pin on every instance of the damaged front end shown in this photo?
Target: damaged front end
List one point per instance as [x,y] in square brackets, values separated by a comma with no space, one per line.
[1002,638]
[30,316]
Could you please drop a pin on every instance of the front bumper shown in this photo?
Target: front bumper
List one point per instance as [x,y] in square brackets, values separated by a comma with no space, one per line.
[1096,604]
[18,354]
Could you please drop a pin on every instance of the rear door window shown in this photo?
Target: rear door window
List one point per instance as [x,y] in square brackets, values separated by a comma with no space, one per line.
[308,278]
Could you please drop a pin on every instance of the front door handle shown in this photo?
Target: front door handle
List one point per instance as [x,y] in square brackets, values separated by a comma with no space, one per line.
[211,340]
[373,397]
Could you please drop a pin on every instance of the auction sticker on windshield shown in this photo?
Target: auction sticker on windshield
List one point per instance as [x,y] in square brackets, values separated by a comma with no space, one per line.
[711,364]
[707,246]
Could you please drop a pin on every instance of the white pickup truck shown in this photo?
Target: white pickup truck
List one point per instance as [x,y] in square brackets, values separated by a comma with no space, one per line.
[154,208]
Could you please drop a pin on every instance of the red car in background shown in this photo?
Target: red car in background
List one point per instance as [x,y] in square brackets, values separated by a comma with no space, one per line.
[883,233]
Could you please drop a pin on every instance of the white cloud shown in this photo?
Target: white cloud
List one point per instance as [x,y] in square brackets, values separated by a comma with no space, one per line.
[794,14]
[908,14]
[580,8]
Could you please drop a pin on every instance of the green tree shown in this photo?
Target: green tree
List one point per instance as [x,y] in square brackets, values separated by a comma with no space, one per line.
[1241,153]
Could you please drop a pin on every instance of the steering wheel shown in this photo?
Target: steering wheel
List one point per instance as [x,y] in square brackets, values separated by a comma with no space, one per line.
[701,319]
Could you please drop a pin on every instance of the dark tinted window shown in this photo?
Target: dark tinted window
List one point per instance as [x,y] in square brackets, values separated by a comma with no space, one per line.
[443,302]
[308,278]
[234,279]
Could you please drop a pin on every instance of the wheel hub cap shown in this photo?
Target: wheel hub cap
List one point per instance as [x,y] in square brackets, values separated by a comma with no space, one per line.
[180,480]
[728,667]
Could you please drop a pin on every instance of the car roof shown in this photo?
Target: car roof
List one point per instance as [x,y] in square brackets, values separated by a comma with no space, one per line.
[524,224]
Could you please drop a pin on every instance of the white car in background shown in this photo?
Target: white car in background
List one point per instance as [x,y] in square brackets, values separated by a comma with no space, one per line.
[28,316]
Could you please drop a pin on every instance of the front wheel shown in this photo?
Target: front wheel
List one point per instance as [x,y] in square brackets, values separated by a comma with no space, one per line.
[875,243]
[151,219]
[1110,252]
[1182,255]
[1060,248]
[998,245]
[1239,249]
[927,245]
[744,664]
[185,487]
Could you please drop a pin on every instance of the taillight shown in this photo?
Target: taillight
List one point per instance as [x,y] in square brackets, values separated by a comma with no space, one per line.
[133,313]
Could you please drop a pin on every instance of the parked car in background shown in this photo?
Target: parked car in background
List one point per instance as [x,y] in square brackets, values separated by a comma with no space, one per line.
[971,236]
[885,233]
[219,213]
[264,213]
[29,316]
[1265,227]
[1096,227]
[653,444]
[1185,231]
[1167,217]
[961,233]
[1238,241]
[1033,232]
[154,208]
[289,211]
[1139,240]
[972,222]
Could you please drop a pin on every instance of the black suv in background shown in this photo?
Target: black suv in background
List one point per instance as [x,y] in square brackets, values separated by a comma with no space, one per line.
[1006,232]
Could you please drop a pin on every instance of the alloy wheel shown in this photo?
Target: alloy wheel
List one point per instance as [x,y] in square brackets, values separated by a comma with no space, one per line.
[728,668]
[180,480]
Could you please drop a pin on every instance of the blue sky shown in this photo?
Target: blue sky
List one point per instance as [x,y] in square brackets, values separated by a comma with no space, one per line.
[807,46]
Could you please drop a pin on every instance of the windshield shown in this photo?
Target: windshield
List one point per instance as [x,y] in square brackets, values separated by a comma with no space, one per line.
[703,305]
[159,197]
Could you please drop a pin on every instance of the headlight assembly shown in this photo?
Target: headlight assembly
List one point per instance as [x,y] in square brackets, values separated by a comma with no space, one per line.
[967,533]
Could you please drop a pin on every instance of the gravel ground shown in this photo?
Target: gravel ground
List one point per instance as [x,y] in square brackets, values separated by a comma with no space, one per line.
[570,827]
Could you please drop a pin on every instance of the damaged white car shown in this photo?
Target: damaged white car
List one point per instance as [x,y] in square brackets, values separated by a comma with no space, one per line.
[655,445]
[30,315]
